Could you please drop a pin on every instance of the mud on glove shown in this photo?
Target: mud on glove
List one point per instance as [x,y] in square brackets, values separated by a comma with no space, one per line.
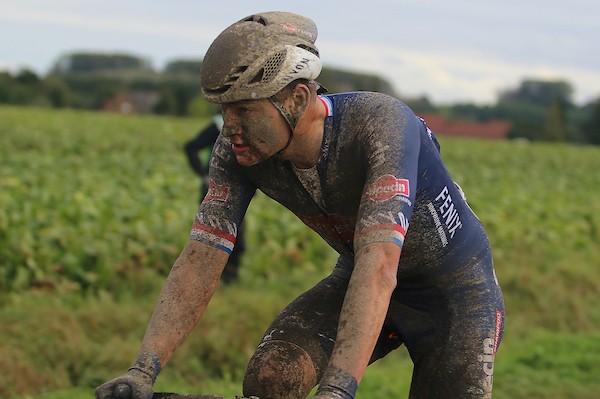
[136,383]
[336,384]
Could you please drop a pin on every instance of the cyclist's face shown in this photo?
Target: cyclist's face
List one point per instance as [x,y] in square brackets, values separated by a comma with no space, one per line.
[255,129]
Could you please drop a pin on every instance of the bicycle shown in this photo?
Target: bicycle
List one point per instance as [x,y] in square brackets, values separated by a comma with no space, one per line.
[124,392]
[165,395]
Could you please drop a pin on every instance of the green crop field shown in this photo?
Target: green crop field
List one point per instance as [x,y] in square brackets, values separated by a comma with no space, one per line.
[94,208]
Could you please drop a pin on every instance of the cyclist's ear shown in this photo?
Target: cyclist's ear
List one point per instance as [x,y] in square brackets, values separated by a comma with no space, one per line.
[300,98]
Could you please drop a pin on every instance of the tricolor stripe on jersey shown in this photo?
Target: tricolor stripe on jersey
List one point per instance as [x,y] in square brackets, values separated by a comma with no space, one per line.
[215,238]
[381,233]
[328,105]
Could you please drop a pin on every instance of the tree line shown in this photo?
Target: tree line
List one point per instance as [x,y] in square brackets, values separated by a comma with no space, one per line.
[537,109]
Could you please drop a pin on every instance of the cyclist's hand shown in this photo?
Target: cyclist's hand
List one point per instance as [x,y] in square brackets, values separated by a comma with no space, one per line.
[332,395]
[134,384]
[336,384]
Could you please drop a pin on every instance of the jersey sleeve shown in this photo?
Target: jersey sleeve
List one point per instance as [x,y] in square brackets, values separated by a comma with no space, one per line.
[391,157]
[222,210]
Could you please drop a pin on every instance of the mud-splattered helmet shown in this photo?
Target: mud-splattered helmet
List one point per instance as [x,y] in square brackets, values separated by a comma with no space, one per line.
[258,56]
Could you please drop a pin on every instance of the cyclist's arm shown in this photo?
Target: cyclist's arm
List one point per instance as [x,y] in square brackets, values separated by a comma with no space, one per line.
[183,299]
[365,307]
[390,152]
[195,274]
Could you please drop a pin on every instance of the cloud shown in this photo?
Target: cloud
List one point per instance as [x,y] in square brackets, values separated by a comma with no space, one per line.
[453,75]
[116,23]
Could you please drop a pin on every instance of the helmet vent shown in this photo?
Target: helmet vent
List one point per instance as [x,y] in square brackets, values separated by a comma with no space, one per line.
[256,18]
[235,75]
[232,78]
[309,49]
[258,77]
[272,66]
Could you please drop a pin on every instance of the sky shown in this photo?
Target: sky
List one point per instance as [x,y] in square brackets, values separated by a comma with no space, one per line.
[450,51]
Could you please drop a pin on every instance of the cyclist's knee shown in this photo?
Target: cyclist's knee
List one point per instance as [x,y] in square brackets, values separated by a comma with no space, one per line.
[279,369]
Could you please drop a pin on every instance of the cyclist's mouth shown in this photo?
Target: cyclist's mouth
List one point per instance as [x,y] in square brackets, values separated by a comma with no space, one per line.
[239,149]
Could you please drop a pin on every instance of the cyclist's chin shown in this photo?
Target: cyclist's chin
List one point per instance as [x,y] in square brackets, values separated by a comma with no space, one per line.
[247,159]
[251,155]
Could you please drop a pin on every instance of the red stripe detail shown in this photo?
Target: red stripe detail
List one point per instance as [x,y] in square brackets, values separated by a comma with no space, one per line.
[215,232]
[395,227]
[400,229]
[327,107]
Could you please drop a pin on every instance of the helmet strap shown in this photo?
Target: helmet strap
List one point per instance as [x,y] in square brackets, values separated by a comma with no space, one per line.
[288,118]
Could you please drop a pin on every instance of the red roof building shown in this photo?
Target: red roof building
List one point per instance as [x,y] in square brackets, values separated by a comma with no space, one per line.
[442,126]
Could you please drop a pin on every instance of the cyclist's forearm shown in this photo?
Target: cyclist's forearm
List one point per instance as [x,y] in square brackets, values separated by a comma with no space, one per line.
[183,299]
[365,307]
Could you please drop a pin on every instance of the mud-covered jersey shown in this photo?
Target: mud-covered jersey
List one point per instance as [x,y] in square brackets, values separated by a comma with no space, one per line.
[380,178]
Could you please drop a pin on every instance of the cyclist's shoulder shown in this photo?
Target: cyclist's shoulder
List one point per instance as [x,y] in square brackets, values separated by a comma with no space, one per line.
[361,100]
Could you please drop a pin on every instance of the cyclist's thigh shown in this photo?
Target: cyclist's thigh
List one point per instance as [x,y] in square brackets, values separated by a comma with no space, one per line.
[455,356]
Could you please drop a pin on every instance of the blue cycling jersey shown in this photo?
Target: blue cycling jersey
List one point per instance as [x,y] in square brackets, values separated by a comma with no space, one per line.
[380,178]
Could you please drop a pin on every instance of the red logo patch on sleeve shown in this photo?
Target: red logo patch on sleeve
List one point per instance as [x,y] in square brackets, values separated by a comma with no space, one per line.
[386,187]
[216,192]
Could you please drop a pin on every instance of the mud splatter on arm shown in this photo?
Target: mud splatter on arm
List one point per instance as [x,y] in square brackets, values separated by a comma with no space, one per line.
[185,295]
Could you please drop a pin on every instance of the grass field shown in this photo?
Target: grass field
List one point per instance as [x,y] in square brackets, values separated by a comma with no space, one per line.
[94,208]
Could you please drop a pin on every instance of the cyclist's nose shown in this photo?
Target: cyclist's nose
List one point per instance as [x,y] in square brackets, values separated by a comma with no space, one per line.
[231,125]
[229,130]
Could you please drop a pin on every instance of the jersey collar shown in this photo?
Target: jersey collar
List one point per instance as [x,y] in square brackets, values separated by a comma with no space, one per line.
[328,105]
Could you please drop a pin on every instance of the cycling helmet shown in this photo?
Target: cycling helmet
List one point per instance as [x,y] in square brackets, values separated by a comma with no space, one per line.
[258,56]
